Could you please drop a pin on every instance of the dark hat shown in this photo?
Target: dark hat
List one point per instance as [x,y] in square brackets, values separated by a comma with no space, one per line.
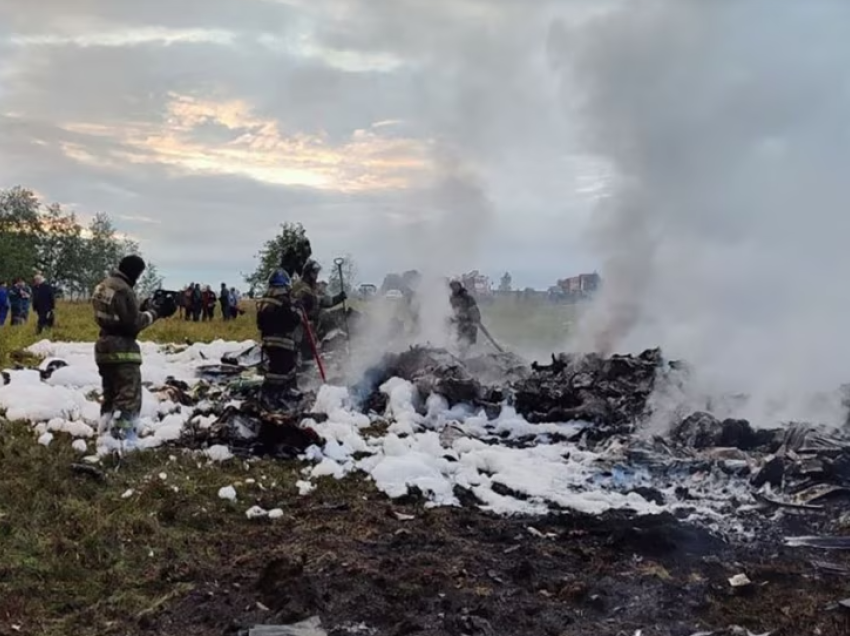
[132,267]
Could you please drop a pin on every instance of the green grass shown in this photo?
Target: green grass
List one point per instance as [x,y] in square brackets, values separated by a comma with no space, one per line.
[77,557]
[536,327]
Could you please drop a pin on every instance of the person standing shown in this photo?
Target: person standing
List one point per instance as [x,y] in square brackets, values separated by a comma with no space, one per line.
[197,302]
[224,301]
[4,302]
[44,303]
[277,321]
[116,352]
[187,301]
[467,316]
[19,302]
[305,293]
[235,298]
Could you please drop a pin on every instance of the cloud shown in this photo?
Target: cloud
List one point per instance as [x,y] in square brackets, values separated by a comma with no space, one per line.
[374,123]
[208,137]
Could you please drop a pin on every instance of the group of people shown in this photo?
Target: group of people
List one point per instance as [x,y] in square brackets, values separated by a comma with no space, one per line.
[17,300]
[288,317]
[199,303]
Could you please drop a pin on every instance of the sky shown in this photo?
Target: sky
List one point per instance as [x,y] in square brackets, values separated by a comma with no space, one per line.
[401,132]
[694,152]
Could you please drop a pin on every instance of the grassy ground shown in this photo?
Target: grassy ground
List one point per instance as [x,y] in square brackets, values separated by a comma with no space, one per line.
[75,323]
[77,557]
[74,555]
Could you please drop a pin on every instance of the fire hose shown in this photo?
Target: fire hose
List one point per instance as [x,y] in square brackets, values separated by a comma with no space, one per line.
[492,340]
[313,346]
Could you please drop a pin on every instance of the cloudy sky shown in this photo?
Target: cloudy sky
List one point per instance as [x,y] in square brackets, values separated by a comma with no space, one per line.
[401,131]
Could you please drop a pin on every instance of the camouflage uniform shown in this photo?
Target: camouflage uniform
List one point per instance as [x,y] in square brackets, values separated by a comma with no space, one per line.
[277,321]
[117,354]
[467,316]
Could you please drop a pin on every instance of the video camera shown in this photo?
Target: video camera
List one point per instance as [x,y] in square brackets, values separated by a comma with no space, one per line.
[161,294]
[164,301]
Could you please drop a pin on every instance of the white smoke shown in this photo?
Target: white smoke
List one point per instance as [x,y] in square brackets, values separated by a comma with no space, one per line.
[445,243]
[724,236]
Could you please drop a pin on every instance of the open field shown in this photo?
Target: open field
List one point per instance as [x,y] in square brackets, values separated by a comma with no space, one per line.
[535,327]
[152,549]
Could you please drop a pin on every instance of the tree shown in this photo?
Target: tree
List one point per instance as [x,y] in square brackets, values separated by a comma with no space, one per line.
[20,232]
[349,275]
[505,284]
[46,239]
[149,282]
[102,251]
[61,249]
[290,249]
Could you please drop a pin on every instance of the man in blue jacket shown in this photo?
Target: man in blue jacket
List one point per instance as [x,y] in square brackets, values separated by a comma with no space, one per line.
[4,302]
[19,302]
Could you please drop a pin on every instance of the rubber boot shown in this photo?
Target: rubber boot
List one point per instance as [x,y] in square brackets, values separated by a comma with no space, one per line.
[104,424]
[124,430]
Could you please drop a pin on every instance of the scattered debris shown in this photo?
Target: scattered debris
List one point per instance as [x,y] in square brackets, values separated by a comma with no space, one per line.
[739,581]
[310,627]
[90,471]
[821,543]
[228,492]
[255,512]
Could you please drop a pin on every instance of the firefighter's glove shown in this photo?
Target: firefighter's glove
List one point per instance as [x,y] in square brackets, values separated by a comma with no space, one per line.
[341,297]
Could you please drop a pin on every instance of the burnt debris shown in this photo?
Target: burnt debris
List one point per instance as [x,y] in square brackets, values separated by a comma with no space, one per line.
[604,391]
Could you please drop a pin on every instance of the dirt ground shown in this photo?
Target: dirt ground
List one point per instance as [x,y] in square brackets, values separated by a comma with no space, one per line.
[461,571]
[150,549]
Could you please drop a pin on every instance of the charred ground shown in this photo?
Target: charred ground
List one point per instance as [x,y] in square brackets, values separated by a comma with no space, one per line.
[173,558]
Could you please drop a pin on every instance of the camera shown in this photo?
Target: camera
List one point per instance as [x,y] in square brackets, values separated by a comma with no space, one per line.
[164,301]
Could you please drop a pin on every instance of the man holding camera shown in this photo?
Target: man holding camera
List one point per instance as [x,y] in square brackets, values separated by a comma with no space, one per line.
[117,353]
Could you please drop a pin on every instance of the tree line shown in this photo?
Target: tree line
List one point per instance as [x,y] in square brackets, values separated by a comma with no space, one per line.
[74,257]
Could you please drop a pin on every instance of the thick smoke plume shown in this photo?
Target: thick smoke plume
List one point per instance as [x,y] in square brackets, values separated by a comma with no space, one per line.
[723,239]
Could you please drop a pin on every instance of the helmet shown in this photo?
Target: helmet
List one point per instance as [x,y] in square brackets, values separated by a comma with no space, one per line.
[279,279]
[311,267]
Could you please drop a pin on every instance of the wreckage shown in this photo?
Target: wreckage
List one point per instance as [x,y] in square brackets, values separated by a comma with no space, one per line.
[579,420]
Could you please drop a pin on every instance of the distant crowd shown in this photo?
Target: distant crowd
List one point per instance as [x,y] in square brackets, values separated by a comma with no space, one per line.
[17,300]
[199,303]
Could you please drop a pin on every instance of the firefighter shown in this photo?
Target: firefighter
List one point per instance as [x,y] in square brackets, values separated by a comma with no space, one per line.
[306,293]
[117,354]
[466,316]
[277,320]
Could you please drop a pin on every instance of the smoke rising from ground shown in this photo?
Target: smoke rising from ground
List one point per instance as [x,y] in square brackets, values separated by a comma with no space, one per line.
[445,243]
[724,236]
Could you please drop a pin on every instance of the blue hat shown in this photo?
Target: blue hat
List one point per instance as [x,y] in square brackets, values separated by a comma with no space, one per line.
[279,279]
